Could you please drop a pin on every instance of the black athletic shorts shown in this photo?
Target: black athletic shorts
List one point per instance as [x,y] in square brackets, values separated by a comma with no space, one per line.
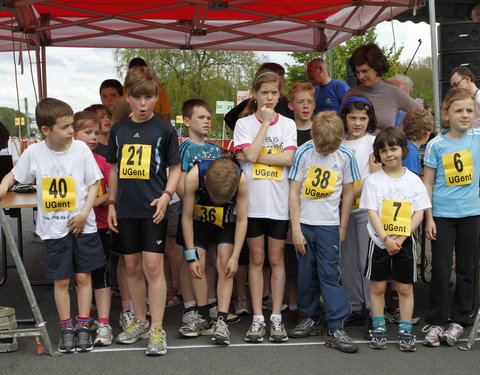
[276,229]
[206,233]
[138,235]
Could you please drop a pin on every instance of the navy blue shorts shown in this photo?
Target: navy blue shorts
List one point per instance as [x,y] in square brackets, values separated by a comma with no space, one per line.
[69,255]
[207,233]
[137,235]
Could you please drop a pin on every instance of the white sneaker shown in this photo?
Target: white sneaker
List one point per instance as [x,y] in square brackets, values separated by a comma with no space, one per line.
[104,335]
[126,317]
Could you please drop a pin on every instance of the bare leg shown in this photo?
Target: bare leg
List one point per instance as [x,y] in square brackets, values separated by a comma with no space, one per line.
[62,298]
[405,293]
[200,286]
[157,286]
[136,284]
[255,276]
[276,258]
[84,293]
[224,286]
[377,297]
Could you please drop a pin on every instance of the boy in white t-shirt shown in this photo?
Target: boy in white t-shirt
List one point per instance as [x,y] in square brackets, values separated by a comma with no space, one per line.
[322,171]
[395,199]
[67,178]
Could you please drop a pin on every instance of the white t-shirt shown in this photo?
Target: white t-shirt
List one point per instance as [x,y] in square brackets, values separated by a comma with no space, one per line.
[379,187]
[340,164]
[476,122]
[38,163]
[362,148]
[268,191]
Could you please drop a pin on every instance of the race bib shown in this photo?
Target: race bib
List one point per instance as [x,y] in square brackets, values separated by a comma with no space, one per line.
[135,162]
[100,193]
[268,172]
[397,217]
[58,194]
[458,168]
[319,183]
[356,202]
[209,214]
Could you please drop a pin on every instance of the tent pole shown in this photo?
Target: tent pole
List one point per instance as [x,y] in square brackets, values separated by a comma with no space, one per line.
[39,71]
[44,71]
[435,80]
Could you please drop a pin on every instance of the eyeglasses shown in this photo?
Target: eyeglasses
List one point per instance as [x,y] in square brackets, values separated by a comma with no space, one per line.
[455,84]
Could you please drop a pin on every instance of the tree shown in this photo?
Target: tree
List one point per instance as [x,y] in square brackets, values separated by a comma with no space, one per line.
[420,72]
[187,74]
[7,116]
[341,53]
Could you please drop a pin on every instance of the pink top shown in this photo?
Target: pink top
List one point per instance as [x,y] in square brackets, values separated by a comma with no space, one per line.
[101,212]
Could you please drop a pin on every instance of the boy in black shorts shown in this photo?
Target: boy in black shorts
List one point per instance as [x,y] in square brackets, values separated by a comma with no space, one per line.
[214,212]
[67,178]
[395,199]
[140,149]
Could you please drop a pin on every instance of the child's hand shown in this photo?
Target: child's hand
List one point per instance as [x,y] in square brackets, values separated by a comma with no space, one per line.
[268,114]
[299,242]
[162,204]
[77,223]
[232,268]
[392,246]
[430,229]
[195,269]
[112,218]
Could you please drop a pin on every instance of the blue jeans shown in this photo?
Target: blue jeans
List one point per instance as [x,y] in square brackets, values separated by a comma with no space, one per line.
[319,274]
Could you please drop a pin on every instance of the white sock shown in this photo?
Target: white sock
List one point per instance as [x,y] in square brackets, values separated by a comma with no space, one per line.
[259,318]
[276,317]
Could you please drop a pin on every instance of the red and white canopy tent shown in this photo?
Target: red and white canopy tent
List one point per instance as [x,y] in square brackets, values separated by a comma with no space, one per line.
[259,25]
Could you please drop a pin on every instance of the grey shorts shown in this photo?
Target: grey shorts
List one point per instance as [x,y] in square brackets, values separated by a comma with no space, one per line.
[69,255]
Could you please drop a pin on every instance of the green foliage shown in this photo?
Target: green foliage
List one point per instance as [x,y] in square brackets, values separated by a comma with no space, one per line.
[341,53]
[7,116]
[420,72]
[187,74]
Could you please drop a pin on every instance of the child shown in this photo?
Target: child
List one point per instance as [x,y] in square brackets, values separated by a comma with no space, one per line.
[265,143]
[105,117]
[215,196]
[140,149]
[395,199]
[197,117]
[86,128]
[110,91]
[322,171]
[453,223]
[417,126]
[302,102]
[67,183]
[358,117]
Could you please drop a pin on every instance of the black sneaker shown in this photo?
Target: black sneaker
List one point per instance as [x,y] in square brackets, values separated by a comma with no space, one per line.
[83,339]
[379,339]
[406,341]
[341,341]
[67,340]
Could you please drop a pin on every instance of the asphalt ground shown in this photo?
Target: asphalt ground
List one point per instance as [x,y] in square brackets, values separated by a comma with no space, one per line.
[198,356]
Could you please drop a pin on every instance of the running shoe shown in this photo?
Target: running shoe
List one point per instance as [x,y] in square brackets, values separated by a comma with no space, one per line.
[83,339]
[379,339]
[134,332]
[433,335]
[221,334]
[242,306]
[452,333]
[307,327]
[157,343]
[67,340]
[197,327]
[277,331]
[341,340]
[406,341]
[104,335]
[256,332]
[126,318]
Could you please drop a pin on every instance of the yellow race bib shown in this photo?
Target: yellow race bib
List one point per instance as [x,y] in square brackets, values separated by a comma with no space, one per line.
[268,172]
[210,214]
[356,202]
[135,161]
[458,168]
[397,217]
[58,194]
[319,183]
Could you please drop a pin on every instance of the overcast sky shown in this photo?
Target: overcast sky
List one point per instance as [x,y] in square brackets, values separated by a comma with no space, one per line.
[74,74]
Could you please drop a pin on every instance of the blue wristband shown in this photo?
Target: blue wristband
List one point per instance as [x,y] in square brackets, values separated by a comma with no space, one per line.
[191,255]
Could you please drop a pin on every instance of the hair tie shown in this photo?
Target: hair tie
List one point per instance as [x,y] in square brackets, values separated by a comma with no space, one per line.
[354,99]
[264,73]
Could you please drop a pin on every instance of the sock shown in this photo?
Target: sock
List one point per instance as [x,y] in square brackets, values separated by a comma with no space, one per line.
[66,323]
[259,318]
[204,312]
[212,302]
[276,317]
[83,321]
[104,321]
[127,305]
[223,315]
[405,326]
[292,307]
[188,304]
[379,322]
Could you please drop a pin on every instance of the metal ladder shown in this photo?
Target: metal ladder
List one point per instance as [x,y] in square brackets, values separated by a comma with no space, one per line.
[40,329]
